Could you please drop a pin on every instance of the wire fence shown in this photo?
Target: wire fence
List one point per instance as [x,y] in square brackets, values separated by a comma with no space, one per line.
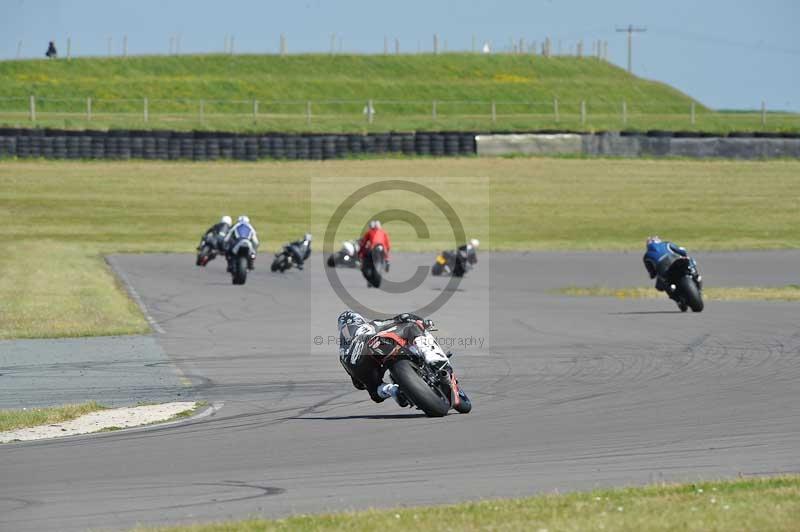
[378,113]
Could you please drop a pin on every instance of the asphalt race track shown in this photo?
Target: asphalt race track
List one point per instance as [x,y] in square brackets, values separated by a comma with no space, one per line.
[569,393]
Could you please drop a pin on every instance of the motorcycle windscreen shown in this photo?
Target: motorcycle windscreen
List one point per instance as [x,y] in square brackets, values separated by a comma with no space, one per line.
[243,231]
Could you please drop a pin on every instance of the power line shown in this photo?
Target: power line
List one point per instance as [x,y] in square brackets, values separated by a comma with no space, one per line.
[630,31]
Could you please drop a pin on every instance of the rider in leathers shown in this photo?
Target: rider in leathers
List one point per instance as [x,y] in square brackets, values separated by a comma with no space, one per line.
[658,258]
[234,235]
[354,333]
[215,234]
[300,250]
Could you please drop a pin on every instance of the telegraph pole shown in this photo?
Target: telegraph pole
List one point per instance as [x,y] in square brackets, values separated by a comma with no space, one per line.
[630,31]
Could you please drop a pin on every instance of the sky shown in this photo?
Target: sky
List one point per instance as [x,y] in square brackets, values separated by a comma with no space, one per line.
[728,55]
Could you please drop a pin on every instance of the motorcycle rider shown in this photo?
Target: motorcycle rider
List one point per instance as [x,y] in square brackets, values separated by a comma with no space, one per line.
[469,251]
[659,256]
[215,234]
[354,333]
[300,250]
[375,235]
[242,229]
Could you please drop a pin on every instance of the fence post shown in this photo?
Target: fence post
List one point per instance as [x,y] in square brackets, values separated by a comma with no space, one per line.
[19,49]
[624,113]
[583,112]
[691,113]
[202,111]
[255,110]
[33,108]
[308,112]
[69,48]
[435,43]
[397,46]
[146,110]
[370,111]
[763,113]
[494,112]
[125,45]
[555,108]
[89,109]
[433,110]
[283,44]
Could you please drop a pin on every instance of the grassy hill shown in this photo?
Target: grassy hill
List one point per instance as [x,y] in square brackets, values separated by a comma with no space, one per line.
[218,91]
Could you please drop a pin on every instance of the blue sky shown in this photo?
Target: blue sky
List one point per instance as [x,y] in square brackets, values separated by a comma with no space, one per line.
[726,54]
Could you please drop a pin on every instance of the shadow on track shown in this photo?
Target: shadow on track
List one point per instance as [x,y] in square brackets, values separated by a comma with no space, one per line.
[372,416]
[645,312]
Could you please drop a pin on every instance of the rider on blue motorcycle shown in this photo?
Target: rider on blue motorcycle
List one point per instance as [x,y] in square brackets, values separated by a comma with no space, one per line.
[659,257]
[240,231]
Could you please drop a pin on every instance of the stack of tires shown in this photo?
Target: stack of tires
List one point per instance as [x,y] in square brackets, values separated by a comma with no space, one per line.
[201,145]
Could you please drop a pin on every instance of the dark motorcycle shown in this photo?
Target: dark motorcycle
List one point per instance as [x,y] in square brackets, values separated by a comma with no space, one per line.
[373,265]
[684,284]
[347,257]
[242,259]
[420,368]
[207,250]
[455,263]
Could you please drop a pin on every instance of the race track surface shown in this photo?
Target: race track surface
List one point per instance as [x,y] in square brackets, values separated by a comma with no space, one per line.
[569,393]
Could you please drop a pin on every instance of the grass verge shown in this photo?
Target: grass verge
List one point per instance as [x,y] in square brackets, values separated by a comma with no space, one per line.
[716,293]
[33,417]
[56,283]
[744,504]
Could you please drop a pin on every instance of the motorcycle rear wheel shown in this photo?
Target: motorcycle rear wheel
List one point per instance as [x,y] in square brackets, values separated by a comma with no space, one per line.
[404,373]
[240,270]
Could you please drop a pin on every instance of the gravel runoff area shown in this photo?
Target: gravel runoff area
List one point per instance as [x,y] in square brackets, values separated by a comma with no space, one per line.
[115,418]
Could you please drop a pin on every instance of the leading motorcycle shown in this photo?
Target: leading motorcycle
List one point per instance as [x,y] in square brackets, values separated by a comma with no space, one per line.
[684,285]
[420,368]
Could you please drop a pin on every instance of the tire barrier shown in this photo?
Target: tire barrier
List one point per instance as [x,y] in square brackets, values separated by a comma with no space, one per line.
[654,143]
[210,146]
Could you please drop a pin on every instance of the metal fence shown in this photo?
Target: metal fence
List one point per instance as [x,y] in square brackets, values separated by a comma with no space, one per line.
[590,112]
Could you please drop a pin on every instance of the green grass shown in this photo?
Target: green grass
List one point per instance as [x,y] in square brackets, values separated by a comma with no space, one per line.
[720,293]
[33,417]
[746,504]
[464,85]
[55,282]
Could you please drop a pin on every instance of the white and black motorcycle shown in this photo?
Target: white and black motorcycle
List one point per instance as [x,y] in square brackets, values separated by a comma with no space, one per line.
[242,257]
[420,368]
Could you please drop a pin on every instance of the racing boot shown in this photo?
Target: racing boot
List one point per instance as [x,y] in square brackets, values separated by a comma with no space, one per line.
[393,391]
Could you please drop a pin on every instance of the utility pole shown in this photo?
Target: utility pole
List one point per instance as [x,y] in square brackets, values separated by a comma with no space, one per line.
[630,31]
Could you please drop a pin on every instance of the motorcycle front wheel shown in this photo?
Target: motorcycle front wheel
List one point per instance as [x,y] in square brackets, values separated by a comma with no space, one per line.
[405,375]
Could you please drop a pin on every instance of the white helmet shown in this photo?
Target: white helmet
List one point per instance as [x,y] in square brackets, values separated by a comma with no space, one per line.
[226,220]
[243,219]
[307,237]
[349,248]
[474,242]
[374,224]
[653,240]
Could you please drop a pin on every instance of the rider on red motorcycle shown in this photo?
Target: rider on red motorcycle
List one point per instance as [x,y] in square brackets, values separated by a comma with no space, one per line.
[375,235]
